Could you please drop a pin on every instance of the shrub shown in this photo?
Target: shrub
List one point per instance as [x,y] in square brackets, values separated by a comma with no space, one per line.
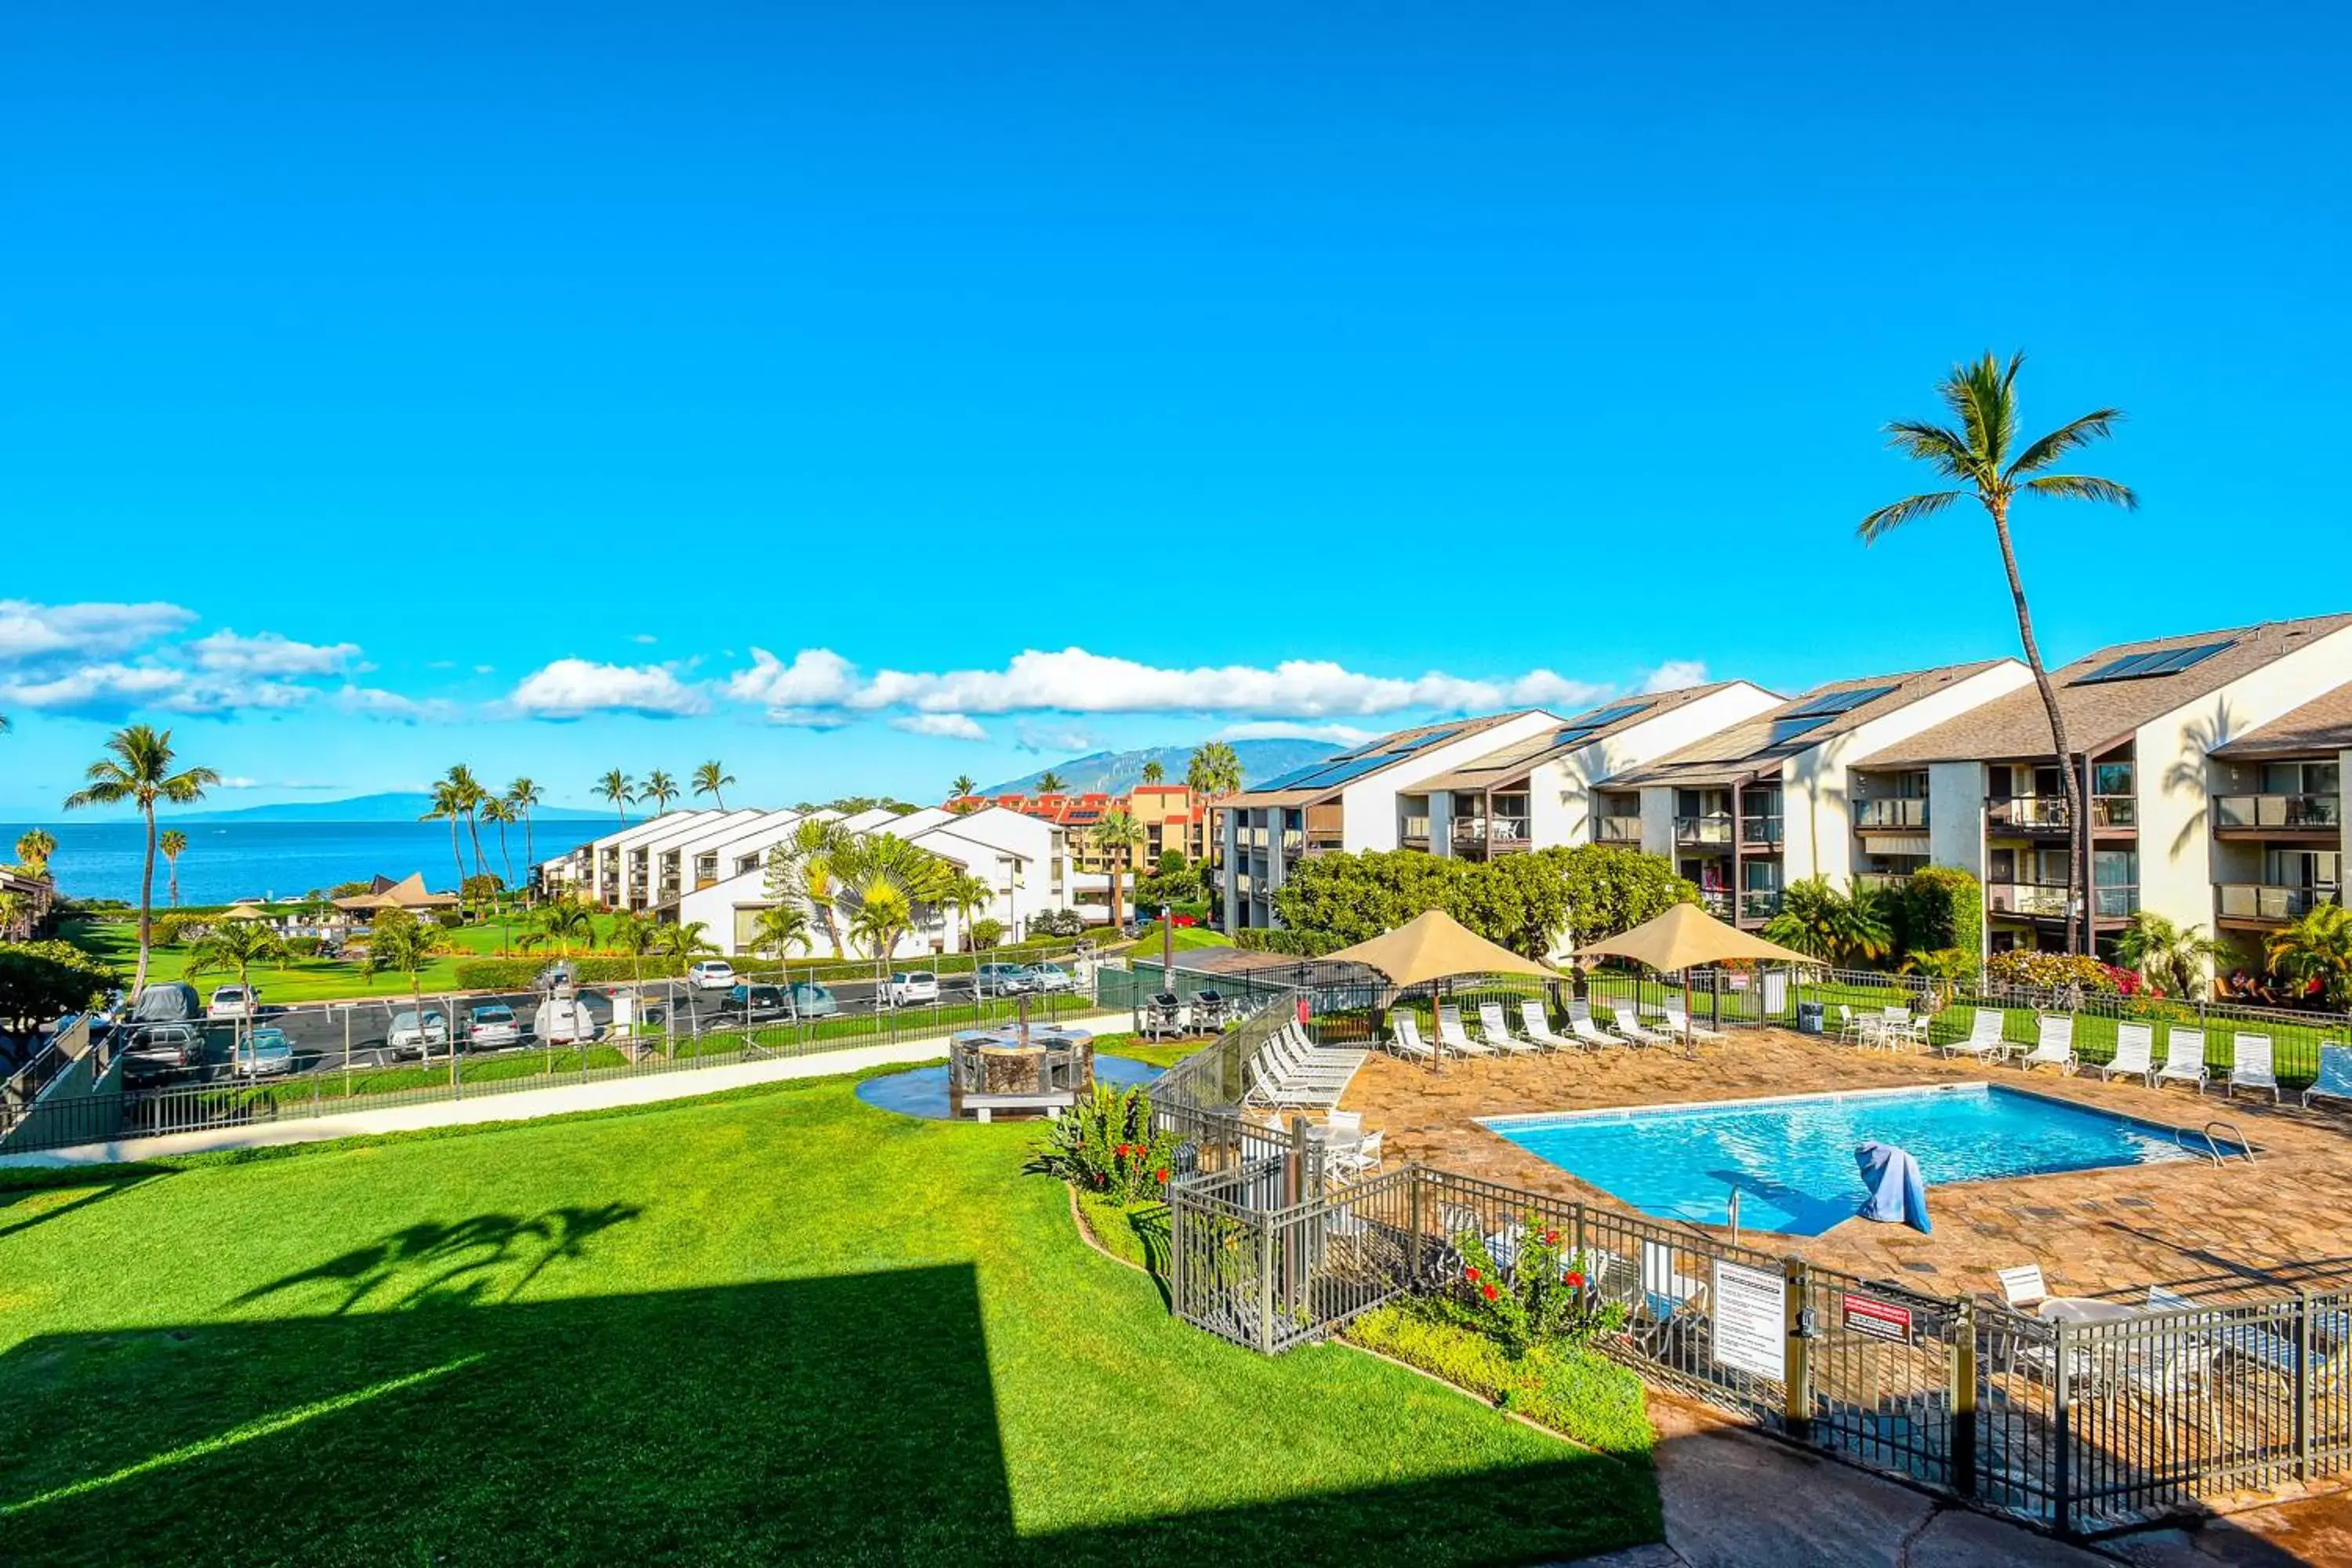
[1547,1296]
[1575,1393]
[1107,1145]
[1058,922]
[986,934]
[514,973]
[1942,907]
[2055,971]
[303,946]
[1296,943]
[40,979]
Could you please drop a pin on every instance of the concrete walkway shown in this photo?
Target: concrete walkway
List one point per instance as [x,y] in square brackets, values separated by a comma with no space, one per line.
[522,1105]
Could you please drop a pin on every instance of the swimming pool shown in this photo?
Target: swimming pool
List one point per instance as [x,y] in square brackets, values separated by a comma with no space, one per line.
[1792,1158]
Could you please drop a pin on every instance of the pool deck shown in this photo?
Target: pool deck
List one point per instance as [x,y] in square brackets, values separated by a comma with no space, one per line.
[2232,1231]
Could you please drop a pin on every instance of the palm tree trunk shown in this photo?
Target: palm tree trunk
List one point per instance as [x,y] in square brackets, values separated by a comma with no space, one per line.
[2078,824]
[457,858]
[174,875]
[474,828]
[529,854]
[505,858]
[146,902]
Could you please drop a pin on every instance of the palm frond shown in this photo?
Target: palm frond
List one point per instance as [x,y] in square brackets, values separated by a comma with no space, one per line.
[2084,486]
[1947,450]
[1910,509]
[1983,397]
[2095,425]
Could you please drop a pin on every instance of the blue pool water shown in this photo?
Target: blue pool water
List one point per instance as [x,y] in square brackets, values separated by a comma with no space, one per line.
[923,1092]
[1791,1159]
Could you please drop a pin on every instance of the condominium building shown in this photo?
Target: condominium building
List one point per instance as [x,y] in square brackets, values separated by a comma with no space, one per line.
[1169,816]
[2281,832]
[1770,800]
[2153,727]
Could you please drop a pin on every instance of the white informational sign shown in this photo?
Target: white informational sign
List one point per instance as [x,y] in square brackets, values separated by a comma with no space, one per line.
[1776,992]
[1751,1324]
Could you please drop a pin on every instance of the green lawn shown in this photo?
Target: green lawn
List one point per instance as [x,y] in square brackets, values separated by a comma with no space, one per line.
[303,979]
[767,1326]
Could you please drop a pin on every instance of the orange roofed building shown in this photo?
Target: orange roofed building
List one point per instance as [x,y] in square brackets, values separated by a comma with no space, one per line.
[1169,814]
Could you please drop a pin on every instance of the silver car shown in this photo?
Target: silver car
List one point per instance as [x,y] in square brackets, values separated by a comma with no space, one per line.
[413,1036]
[264,1053]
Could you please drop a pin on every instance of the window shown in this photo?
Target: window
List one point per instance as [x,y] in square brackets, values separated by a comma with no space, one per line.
[2110,867]
[2112,778]
[1911,786]
[2300,778]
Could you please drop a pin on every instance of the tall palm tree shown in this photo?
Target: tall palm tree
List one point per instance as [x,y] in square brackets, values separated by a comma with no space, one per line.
[173,844]
[970,897]
[2174,959]
[804,867]
[561,924]
[901,881]
[1049,783]
[400,942]
[1153,772]
[962,785]
[34,848]
[779,927]
[661,789]
[619,789]
[2318,946]
[138,770]
[446,804]
[1982,398]
[523,794]
[635,935]
[1213,769]
[1117,835]
[685,940]
[712,778]
[470,797]
[502,811]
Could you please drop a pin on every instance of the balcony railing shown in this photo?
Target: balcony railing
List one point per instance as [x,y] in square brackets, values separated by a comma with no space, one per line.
[2048,811]
[1497,832]
[1892,813]
[1617,830]
[2268,900]
[1760,830]
[2284,812]
[1716,903]
[1759,903]
[2026,899]
[1413,827]
[2114,903]
[1882,882]
[1703,830]
[1293,839]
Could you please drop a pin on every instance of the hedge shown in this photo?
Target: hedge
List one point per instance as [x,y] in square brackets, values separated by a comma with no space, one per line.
[1282,940]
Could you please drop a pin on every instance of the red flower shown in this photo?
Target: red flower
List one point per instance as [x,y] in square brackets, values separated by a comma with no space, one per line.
[1471,1275]
[1551,1238]
[1489,1291]
[1161,1174]
[1573,1280]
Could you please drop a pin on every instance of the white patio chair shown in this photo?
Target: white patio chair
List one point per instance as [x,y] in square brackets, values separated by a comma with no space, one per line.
[1628,1023]
[2134,1052]
[1499,1034]
[1274,1094]
[2184,1058]
[1584,1027]
[1404,1037]
[1348,1152]
[1850,1030]
[2022,1286]
[2055,1047]
[1453,1036]
[1537,1027]
[1984,1038]
[1679,1021]
[2334,1081]
[2250,1066]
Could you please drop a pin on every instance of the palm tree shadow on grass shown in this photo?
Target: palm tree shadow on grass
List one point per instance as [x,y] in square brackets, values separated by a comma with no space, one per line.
[25,1204]
[464,1263]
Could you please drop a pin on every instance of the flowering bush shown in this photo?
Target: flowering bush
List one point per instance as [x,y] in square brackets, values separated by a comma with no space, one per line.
[1107,1144]
[2055,971]
[1547,1296]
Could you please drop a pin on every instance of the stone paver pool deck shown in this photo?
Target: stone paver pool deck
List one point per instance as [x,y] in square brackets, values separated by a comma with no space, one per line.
[2232,1231]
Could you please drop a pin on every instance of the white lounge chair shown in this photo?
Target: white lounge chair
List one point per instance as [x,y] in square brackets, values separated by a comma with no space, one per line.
[1404,1037]
[1537,1027]
[1582,1025]
[2022,1286]
[1678,1020]
[2335,1081]
[2134,1052]
[1347,1150]
[1628,1023]
[1496,1032]
[2184,1058]
[1293,1068]
[1275,1094]
[2250,1066]
[2055,1047]
[1453,1036]
[1983,1037]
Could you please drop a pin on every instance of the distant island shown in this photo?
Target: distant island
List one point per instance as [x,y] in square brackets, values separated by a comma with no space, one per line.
[1115,772]
[397,806]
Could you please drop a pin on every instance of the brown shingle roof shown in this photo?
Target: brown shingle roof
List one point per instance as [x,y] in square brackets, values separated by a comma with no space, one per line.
[2322,724]
[2103,714]
[1514,763]
[1759,744]
[1261,798]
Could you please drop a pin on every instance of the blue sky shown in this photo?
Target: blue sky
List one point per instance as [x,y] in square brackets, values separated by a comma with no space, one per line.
[504,378]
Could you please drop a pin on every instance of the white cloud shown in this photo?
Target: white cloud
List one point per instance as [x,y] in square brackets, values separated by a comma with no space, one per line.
[113,687]
[29,631]
[816,678]
[808,718]
[377,703]
[1676,674]
[1542,689]
[952,726]
[485,669]
[240,783]
[645,637]
[1287,729]
[270,654]
[570,688]
[1044,735]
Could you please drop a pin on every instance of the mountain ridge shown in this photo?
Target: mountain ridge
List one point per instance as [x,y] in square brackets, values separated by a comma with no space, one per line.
[1115,772]
[388,806]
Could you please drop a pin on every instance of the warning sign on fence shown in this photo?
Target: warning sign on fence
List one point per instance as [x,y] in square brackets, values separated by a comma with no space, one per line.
[1879,1319]
[1752,1326]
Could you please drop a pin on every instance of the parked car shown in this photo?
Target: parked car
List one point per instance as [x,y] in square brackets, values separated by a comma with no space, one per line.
[1051,977]
[555,977]
[810,1000]
[711,975]
[410,1035]
[264,1053]
[157,1050]
[491,1026]
[1182,922]
[754,1003]
[999,979]
[235,1002]
[563,1020]
[911,987]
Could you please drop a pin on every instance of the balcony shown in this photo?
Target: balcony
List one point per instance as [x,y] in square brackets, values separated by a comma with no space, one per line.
[1882,882]
[1716,902]
[2268,902]
[1475,837]
[2035,900]
[1759,903]
[1617,830]
[1294,842]
[1892,815]
[2047,813]
[2259,814]
[1760,832]
[1703,832]
[1413,832]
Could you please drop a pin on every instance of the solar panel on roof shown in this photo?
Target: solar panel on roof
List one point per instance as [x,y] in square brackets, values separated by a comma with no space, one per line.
[2158,661]
[1403,748]
[1830,704]
[1786,730]
[1612,715]
[1291,780]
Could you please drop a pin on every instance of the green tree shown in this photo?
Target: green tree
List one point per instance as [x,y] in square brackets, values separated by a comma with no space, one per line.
[1214,770]
[781,927]
[138,770]
[561,924]
[685,941]
[661,789]
[173,844]
[34,848]
[2318,946]
[1609,888]
[961,787]
[524,794]
[400,943]
[2174,959]
[1118,834]
[447,806]
[1853,929]
[635,935]
[619,789]
[1153,772]
[1975,453]
[467,794]
[968,896]
[712,779]
[1049,783]
[1941,907]
[236,946]
[804,867]
[503,813]
[41,980]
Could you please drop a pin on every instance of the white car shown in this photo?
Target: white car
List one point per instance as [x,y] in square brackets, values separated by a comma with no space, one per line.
[711,974]
[491,1026]
[410,1037]
[1051,977]
[911,987]
[235,1002]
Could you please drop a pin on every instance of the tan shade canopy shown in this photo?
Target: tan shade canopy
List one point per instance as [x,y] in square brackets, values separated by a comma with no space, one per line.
[1686,936]
[1435,946]
[247,912]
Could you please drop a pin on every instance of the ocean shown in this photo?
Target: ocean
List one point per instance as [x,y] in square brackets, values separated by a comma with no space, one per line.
[225,861]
